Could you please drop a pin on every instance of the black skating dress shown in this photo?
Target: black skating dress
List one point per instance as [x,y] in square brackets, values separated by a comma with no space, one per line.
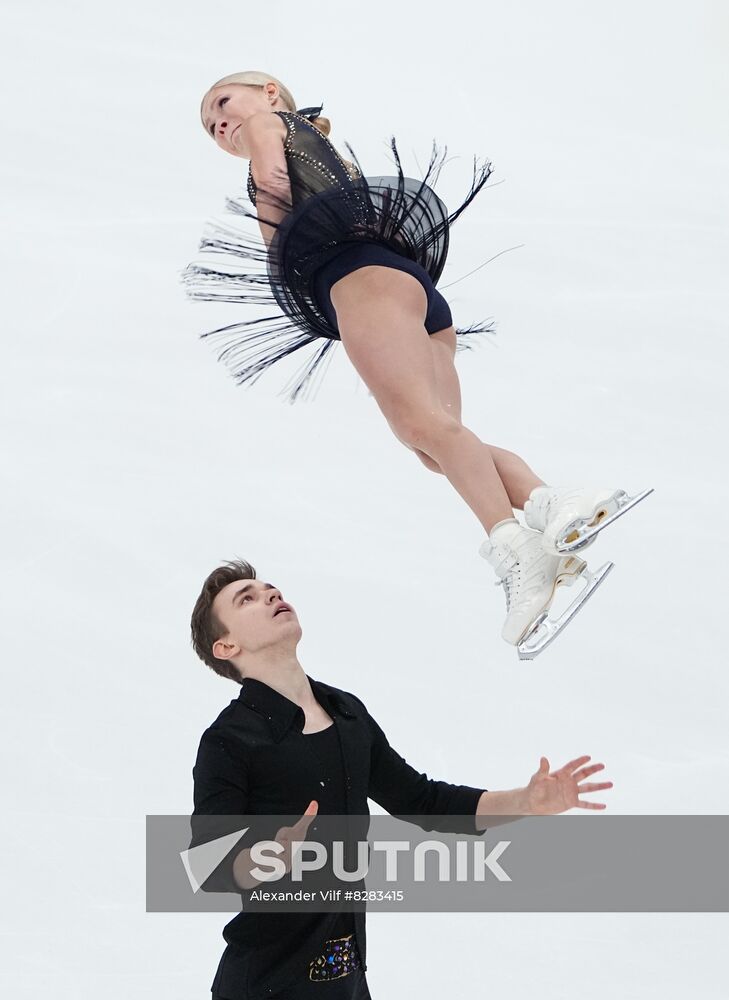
[338,220]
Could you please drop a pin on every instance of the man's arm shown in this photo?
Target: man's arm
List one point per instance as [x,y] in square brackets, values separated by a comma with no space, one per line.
[264,142]
[501,807]
[548,793]
[220,788]
[404,791]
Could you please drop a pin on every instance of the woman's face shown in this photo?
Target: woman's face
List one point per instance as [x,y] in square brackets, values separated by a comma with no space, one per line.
[225,108]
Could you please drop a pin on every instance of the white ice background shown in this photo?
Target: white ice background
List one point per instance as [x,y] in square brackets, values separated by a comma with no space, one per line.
[132,463]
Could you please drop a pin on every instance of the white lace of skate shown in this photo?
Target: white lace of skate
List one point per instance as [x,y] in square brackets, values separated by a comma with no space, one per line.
[506,582]
[508,561]
[511,562]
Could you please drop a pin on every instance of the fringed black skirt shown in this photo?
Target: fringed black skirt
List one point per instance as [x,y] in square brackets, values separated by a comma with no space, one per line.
[393,220]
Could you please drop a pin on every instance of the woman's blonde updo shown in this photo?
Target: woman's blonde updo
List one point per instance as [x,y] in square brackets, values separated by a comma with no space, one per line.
[254,78]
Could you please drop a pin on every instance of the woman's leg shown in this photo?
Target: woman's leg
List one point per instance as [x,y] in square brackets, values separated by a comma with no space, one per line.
[515,474]
[380,315]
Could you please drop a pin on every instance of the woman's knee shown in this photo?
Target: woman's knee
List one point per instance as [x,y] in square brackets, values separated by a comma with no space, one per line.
[422,427]
[428,462]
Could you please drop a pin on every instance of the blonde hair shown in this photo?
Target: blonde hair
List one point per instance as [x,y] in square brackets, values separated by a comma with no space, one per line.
[255,78]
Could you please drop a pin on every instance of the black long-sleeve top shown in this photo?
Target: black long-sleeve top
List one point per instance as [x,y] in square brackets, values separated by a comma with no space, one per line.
[253,760]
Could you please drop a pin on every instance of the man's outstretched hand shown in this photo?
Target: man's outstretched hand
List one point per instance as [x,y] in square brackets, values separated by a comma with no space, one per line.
[550,792]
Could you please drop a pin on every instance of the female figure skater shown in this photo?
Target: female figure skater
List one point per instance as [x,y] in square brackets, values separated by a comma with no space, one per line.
[354,258]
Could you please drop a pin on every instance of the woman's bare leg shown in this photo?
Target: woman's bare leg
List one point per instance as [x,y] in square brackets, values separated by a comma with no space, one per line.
[380,314]
[515,474]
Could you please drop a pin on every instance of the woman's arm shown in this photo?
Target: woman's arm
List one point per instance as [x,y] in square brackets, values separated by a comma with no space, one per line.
[262,137]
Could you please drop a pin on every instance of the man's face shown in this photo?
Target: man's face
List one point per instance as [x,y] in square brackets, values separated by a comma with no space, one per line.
[255,616]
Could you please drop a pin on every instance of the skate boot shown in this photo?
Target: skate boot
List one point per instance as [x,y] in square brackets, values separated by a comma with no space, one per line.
[530,577]
[571,519]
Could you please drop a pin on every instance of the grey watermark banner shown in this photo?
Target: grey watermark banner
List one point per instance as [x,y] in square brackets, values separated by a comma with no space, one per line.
[439,863]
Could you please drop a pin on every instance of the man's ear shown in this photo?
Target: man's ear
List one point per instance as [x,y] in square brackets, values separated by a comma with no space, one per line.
[223,650]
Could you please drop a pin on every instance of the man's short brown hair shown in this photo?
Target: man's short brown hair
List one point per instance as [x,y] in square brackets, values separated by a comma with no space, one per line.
[205,627]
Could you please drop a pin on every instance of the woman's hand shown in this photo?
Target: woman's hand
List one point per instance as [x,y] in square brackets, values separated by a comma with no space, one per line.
[555,792]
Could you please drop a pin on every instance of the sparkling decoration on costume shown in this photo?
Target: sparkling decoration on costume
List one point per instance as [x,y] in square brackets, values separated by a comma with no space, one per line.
[338,959]
[289,118]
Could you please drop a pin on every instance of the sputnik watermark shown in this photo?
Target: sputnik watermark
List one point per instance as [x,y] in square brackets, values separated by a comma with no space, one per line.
[428,863]
[201,861]
[460,862]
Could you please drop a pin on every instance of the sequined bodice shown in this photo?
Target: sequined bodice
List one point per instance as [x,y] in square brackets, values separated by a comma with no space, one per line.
[313,162]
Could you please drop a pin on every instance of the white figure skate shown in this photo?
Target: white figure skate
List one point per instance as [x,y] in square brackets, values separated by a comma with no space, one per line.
[530,577]
[571,519]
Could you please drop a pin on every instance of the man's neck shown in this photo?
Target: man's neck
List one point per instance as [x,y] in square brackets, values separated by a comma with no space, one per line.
[286,676]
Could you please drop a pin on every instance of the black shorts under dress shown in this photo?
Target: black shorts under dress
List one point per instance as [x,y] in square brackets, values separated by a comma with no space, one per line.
[438,315]
[337,221]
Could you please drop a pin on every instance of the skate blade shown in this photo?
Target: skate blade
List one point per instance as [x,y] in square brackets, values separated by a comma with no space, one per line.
[572,569]
[545,629]
[574,541]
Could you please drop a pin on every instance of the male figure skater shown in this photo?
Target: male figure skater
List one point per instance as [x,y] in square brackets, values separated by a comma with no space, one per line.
[292,745]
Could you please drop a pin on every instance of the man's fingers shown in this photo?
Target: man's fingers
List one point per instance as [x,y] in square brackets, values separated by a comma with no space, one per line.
[288,834]
[575,763]
[302,825]
[296,832]
[583,772]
